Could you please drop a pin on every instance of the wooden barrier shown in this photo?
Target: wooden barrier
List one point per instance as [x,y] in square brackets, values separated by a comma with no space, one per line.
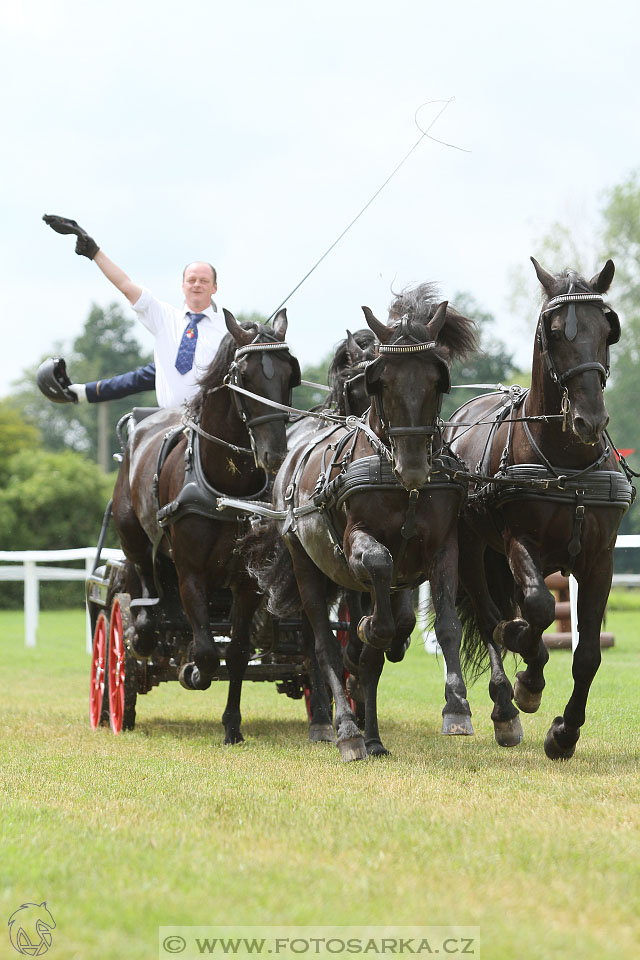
[561,638]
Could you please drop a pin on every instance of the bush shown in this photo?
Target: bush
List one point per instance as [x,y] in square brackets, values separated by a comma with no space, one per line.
[50,501]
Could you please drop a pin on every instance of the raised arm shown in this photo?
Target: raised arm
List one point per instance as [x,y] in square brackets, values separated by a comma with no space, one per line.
[87,247]
[118,277]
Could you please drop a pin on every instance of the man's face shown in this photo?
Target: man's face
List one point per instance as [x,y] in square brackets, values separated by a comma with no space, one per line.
[198,286]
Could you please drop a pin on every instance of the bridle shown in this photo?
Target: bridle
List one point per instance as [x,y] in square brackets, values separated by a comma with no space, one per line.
[234,382]
[571,330]
[411,345]
[234,379]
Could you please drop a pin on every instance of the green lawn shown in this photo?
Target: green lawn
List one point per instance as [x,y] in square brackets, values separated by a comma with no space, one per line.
[164,825]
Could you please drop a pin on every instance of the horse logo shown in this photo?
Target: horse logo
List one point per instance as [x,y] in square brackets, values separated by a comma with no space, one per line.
[30,929]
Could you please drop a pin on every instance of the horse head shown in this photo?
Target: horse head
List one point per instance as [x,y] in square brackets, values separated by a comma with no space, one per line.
[575,330]
[263,367]
[346,373]
[410,375]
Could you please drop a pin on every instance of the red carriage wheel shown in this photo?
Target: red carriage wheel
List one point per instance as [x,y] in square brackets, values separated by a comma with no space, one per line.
[121,668]
[98,671]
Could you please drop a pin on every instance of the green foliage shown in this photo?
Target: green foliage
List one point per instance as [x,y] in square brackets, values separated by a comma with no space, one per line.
[105,347]
[15,435]
[50,501]
[621,242]
[492,364]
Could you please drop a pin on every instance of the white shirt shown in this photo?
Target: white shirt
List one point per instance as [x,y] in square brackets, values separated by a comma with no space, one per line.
[167,324]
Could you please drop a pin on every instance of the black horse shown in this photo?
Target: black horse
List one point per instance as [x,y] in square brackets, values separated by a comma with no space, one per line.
[232,443]
[556,503]
[372,509]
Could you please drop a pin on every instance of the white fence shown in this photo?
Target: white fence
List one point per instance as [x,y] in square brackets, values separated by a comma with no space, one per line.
[27,569]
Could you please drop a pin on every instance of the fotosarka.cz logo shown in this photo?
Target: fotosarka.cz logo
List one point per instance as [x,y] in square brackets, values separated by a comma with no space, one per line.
[313,942]
[30,929]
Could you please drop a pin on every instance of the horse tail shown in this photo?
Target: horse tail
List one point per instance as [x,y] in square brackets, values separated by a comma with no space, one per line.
[474,656]
[269,562]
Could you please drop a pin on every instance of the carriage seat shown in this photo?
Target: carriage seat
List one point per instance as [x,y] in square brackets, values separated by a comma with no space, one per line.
[140,413]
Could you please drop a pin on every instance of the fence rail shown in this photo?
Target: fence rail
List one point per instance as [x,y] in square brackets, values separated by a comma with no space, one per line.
[29,569]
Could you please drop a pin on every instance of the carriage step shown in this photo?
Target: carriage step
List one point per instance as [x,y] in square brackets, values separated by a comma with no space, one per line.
[148,602]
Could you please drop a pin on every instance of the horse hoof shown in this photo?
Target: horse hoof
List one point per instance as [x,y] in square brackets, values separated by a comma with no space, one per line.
[321,733]
[352,748]
[508,733]
[233,737]
[396,653]
[376,749]
[354,689]
[527,700]
[555,750]
[457,725]
[191,678]
[371,640]
[506,631]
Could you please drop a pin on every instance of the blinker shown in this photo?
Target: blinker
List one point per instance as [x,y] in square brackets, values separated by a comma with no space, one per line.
[571,325]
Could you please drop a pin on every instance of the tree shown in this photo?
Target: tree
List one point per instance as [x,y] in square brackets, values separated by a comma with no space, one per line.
[51,501]
[105,347]
[492,364]
[621,242]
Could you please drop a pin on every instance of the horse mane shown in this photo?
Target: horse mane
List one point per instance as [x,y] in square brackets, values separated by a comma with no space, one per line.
[419,304]
[341,368]
[219,366]
[562,284]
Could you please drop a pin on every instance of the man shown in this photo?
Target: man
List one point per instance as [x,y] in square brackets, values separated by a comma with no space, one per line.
[186,339]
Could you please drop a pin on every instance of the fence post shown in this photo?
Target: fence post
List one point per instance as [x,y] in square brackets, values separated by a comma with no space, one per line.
[31,603]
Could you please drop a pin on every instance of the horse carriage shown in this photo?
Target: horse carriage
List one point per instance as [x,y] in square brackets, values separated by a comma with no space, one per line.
[516,486]
[134,653]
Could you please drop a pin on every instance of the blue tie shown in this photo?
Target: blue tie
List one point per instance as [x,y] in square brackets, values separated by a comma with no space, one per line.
[187,348]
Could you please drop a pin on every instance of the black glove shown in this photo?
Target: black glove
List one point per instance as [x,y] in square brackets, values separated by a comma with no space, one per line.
[85,245]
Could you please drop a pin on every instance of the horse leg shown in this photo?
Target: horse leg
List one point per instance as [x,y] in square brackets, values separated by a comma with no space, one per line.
[404,617]
[202,656]
[371,664]
[506,719]
[593,592]
[371,562]
[456,715]
[237,657]
[353,649]
[524,635]
[312,587]
[320,726]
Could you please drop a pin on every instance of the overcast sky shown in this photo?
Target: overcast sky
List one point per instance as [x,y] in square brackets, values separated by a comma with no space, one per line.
[250,133]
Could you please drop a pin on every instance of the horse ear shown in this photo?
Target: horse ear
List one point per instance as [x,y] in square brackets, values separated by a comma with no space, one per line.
[241,336]
[356,353]
[281,323]
[438,320]
[546,279]
[381,330]
[602,281]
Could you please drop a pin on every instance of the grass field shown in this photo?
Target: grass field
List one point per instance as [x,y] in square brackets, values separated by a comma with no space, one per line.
[163,825]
